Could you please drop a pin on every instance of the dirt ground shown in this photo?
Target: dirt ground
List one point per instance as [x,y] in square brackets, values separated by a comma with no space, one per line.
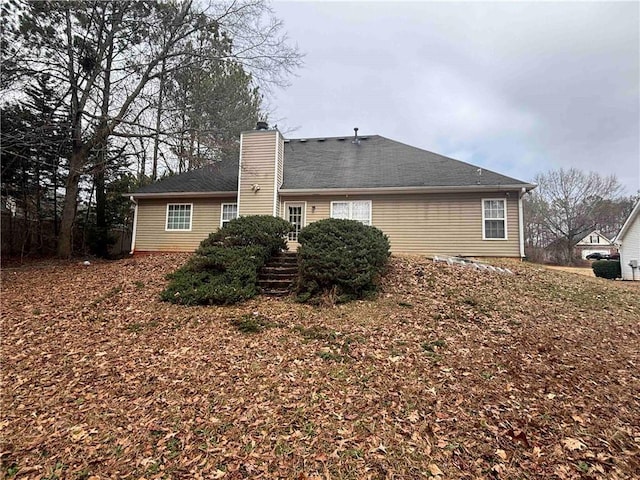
[448,373]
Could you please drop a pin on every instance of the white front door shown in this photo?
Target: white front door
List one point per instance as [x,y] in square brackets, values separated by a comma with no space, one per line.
[295,216]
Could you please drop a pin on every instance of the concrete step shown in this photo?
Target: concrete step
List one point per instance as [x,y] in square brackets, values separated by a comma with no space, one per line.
[275,292]
[278,270]
[283,262]
[277,277]
[280,283]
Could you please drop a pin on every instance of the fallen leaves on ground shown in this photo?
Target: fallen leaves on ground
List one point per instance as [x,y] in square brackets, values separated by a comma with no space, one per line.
[448,373]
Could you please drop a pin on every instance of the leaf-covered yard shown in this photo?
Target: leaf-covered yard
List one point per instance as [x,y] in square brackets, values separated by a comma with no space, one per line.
[449,373]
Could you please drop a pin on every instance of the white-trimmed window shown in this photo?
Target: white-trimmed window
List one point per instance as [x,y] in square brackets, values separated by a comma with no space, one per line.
[494,219]
[179,216]
[228,212]
[352,210]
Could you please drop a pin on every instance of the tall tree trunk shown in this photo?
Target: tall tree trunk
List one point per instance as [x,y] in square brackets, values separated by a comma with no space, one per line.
[101,242]
[156,140]
[78,153]
[55,198]
[72,186]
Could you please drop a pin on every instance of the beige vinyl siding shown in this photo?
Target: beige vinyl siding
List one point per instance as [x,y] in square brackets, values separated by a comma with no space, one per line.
[430,224]
[258,168]
[151,234]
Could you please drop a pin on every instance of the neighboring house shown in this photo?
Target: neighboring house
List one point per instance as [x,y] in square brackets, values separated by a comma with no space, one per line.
[595,242]
[426,203]
[629,241]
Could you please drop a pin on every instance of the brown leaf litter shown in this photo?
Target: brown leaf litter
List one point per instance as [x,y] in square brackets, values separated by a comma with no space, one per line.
[448,373]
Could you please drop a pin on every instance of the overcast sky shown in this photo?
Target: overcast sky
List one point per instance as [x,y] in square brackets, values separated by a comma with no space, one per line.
[518,88]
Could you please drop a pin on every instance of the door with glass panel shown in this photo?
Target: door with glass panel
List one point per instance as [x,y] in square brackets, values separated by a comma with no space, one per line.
[295,216]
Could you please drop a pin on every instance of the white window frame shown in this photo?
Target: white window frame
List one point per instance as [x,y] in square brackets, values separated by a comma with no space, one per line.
[166,220]
[350,203]
[222,205]
[304,215]
[484,233]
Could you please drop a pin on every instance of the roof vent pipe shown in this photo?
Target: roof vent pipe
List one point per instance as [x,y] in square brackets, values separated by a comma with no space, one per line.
[355,140]
[262,126]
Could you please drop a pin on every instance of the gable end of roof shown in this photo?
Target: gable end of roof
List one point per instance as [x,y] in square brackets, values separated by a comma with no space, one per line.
[627,224]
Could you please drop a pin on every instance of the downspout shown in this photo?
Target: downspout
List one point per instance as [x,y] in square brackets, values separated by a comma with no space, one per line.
[135,225]
[239,174]
[521,221]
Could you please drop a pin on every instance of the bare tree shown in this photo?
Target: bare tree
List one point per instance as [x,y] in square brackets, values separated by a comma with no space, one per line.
[109,56]
[567,205]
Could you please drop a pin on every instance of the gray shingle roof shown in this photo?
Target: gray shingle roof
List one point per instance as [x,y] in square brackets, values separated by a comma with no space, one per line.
[220,177]
[377,162]
[334,163]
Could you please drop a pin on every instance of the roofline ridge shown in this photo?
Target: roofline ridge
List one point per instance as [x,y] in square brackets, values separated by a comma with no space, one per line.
[333,138]
[456,160]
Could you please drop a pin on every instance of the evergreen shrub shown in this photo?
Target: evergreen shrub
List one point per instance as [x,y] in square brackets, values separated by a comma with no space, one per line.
[607,269]
[224,269]
[341,257]
[263,230]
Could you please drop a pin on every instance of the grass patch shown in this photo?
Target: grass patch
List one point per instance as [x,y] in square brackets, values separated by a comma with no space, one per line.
[136,327]
[252,323]
[316,332]
[110,294]
[434,346]
[330,356]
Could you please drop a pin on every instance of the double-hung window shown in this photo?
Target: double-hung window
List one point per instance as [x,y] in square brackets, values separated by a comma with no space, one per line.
[179,216]
[229,211]
[352,210]
[494,219]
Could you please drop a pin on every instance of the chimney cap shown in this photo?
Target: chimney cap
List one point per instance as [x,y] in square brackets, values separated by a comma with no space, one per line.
[262,126]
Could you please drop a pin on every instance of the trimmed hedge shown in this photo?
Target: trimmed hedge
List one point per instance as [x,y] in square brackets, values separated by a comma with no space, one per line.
[224,269]
[344,257]
[607,269]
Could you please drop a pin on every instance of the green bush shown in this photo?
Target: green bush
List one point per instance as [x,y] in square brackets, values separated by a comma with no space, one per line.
[225,268]
[343,257]
[264,230]
[607,269]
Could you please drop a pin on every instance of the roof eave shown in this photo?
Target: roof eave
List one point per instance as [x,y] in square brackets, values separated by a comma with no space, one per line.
[396,190]
[151,195]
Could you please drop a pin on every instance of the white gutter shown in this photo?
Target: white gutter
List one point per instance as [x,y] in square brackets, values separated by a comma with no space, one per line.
[135,225]
[392,190]
[181,195]
[521,221]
